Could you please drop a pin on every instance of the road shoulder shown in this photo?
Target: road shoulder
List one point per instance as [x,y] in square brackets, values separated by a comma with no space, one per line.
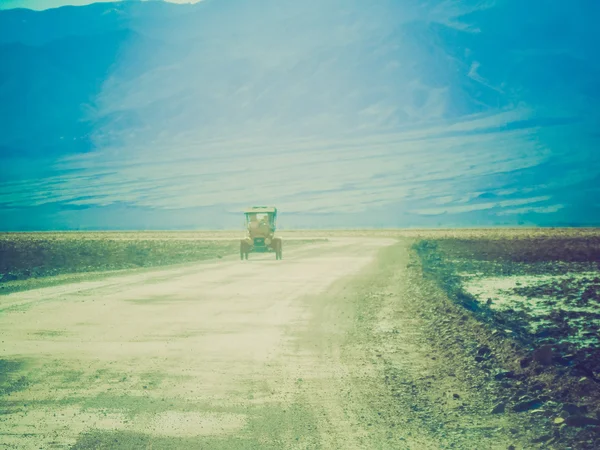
[384,382]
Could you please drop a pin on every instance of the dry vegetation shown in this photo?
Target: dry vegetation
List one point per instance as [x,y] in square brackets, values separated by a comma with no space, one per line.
[511,314]
[26,256]
[539,293]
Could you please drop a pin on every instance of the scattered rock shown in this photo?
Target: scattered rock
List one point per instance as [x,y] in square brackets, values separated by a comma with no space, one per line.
[524,362]
[502,374]
[571,409]
[581,421]
[586,383]
[519,395]
[544,332]
[499,408]
[527,405]
[483,350]
[537,387]
[543,438]
[543,355]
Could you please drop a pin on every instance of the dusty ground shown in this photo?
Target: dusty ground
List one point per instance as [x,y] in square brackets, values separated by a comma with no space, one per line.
[330,348]
[32,260]
[538,297]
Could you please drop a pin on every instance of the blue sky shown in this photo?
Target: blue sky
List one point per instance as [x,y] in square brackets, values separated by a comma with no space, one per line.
[40,5]
[344,113]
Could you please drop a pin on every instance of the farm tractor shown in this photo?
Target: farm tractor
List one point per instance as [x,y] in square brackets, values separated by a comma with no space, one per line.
[260,238]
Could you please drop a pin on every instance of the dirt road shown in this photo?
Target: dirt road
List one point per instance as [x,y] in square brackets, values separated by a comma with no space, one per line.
[320,350]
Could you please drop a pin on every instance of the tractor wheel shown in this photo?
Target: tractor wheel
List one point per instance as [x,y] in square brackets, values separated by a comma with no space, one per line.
[277,245]
[243,250]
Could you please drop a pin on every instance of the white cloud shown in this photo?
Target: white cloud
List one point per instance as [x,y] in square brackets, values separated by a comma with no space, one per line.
[474,75]
[540,210]
[458,209]
[307,175]
[40,5]
[304,109]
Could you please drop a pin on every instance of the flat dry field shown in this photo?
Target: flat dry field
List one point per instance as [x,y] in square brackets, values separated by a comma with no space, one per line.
[365,339]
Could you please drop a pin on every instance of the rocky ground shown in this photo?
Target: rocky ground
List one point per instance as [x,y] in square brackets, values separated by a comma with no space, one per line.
[538,305]
[29,260]
[353,343]
[24,256]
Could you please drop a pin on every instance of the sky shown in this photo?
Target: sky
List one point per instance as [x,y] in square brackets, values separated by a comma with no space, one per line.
[40,5]
[340,113]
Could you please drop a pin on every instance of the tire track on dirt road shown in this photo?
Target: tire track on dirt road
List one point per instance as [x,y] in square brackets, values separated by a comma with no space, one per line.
[323,350]
[145,353]
[372,378]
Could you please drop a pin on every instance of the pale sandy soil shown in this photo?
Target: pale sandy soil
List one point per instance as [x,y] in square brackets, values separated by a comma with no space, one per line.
[320,350]
[432,233]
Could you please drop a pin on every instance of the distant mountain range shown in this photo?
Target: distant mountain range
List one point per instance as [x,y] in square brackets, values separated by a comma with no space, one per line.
[405,101]
[54,64]
[62,69]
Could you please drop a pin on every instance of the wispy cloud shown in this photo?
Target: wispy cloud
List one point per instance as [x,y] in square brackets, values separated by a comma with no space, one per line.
[329,107]
[539,210]
[481,206]
[305,176]
[47,4]
[475,75]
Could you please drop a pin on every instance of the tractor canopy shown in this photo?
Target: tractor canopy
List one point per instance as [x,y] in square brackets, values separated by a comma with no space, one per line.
[267,214]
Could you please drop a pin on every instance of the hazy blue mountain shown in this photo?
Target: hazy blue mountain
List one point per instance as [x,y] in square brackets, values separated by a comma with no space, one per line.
[402,112]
